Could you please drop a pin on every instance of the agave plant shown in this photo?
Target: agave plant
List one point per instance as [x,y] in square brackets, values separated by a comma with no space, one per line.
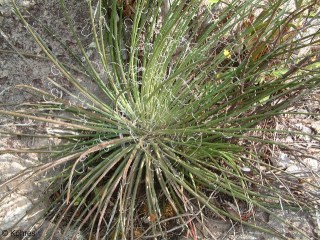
[183,86]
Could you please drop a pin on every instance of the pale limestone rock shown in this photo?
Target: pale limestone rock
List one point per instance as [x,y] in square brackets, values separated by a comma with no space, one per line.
[6,8]
[9,166]
[13,208]
[312,163]
[316,126]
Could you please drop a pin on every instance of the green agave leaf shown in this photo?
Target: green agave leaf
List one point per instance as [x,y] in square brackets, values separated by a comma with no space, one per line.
[279,72]
[213,1]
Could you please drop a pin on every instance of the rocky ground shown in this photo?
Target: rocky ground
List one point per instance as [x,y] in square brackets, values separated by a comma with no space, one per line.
[23,69]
